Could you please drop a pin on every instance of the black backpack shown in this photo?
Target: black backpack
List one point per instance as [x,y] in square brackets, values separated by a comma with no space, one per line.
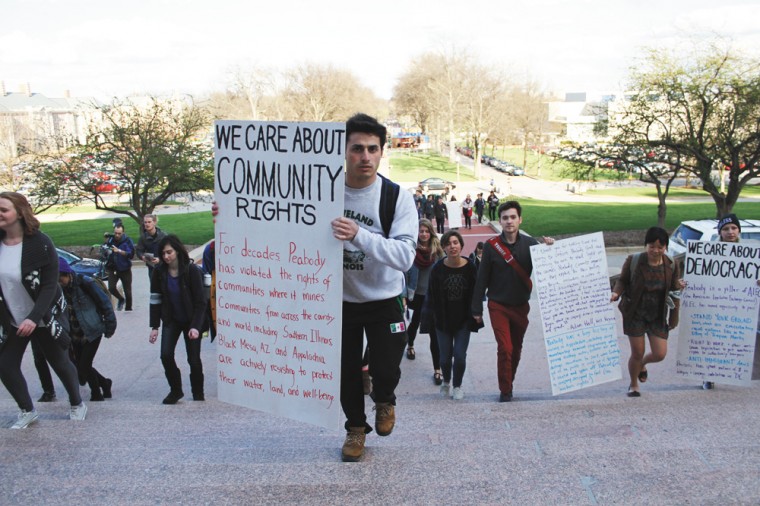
[388,197]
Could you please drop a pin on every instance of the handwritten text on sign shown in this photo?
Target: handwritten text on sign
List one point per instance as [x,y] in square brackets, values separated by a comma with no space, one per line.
[718,316]
[279,270]
[573,289]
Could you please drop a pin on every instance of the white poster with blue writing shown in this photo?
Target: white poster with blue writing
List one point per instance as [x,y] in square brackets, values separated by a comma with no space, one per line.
[279,270]
[718,318]
[573,288]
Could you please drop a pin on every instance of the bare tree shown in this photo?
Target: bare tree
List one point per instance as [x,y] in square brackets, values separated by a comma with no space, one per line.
[412,96]
[528,113]
[483,89]
[324,93]
[254,83]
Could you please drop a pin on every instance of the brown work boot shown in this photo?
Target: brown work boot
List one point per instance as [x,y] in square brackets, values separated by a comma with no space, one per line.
[353,446]
[385,418]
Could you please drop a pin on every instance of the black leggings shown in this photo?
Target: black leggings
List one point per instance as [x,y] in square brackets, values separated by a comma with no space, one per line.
[10,366]
[416,305]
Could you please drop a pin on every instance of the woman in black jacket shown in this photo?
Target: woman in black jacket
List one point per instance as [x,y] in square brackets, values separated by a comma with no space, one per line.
[178,301]
[32,307]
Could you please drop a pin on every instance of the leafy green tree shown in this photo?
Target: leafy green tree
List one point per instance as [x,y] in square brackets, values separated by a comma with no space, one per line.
[149,148]
[701,109]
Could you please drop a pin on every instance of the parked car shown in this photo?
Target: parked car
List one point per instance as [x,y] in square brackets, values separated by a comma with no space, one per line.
[88,266]
[107,187]
[518,171]
[436,183]
[706,230]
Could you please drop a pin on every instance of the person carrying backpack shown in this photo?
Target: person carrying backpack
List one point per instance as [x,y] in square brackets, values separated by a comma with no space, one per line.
[91,316]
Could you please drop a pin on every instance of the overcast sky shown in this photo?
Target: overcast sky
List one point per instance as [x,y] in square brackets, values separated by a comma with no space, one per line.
[106,48]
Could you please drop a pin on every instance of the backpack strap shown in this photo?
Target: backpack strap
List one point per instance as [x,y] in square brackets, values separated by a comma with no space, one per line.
[389,192]
[636,258]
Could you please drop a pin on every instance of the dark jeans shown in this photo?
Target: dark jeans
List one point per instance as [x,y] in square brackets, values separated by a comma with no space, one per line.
[454,349]
[170,332]
[492,213]
[83,354]
[387,348]
[416,305]
[480,216]
[468,220]
[439,224]
[10,366]
[126,283]
[43,371]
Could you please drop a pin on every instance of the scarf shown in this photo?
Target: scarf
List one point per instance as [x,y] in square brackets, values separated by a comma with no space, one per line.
[423,258]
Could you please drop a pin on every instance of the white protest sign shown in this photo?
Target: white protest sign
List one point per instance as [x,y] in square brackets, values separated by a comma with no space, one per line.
[573,288]
[454,213]
[718,318]
[279,269]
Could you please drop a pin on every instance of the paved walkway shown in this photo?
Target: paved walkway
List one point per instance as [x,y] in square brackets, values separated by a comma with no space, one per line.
[677,444]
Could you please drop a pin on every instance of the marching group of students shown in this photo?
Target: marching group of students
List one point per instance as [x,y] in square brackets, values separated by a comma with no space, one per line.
[65,315]
[43,301]
[445,293]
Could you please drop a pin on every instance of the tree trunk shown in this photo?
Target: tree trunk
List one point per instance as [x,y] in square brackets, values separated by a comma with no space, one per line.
[722,206]
[662,210]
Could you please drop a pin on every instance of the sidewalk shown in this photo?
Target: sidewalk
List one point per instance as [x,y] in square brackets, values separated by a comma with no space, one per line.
[677,444]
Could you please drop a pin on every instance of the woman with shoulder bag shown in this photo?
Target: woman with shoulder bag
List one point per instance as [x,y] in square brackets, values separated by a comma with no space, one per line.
[648,290]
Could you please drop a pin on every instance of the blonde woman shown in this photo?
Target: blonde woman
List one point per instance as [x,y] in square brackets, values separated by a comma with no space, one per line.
[429,251]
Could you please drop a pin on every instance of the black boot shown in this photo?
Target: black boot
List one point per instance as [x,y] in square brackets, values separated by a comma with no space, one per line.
[173,397]
[175,384]
[196,383]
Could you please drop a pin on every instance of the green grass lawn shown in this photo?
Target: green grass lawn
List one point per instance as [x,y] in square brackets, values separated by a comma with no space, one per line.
[553,218]
[540,218]
[649,191]
[90,207]
[414,167]
[192,228]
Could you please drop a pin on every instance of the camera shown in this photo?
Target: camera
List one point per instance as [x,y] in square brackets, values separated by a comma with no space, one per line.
[107,235]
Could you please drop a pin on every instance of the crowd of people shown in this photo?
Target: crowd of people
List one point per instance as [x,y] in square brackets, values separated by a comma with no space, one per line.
[404,264]
[444,207]
[64,315]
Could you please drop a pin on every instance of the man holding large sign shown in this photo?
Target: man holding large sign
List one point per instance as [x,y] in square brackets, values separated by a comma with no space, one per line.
[378,237]
[378,228]
[504,272]
[278,272]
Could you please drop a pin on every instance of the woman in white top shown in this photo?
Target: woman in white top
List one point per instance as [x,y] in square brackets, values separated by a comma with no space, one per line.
[32,307]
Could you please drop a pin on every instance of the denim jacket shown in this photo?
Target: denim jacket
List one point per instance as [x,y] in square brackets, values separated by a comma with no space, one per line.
[91,306]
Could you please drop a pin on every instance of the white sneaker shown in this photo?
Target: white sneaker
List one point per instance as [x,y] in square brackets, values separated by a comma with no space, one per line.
[25,419]
[445,390]
[458,394]
[78,412]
